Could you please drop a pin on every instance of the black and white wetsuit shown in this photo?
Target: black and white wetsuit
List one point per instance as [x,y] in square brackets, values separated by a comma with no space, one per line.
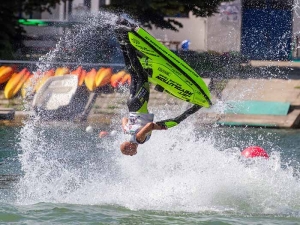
[137,121]
[139,88]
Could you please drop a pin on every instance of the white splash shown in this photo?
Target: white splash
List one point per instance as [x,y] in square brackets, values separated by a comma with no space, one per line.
[178,170]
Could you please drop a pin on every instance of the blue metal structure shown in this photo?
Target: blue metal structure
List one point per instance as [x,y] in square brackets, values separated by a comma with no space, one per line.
[266,29]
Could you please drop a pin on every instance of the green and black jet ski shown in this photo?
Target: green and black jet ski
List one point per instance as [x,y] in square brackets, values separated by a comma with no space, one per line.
[169,73]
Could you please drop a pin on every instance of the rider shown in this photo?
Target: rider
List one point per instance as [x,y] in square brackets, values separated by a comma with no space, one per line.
[139,125]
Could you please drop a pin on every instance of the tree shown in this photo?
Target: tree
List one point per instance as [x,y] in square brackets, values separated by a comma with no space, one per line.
[154,12]
[11,32]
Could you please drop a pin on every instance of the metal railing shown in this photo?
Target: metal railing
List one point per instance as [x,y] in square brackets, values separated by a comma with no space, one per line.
[32,65]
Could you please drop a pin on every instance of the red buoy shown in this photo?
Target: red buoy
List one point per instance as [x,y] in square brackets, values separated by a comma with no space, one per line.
[254,151]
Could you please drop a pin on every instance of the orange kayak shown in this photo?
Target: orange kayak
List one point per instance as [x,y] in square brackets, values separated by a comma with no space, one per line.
[116,78]
[26,85]
[49,72]
[103,77]
[126,79]
[77,72]
[82,77]
[60,71]
[2,67]
[89,80]
[13,82]
[41,80]
[20,84]
[5,73]
[98,74]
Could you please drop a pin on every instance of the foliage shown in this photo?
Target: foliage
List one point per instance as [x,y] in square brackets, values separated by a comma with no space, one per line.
[154,12]
[10,31]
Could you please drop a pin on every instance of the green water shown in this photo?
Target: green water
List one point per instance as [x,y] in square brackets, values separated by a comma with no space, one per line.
[85,214]
[63,175]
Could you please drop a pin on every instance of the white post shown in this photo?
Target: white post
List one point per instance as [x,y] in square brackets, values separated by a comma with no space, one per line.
[95,6]
[61,10]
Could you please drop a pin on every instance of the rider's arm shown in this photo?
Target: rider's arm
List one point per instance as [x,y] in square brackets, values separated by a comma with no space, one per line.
[141,135]
[124,122]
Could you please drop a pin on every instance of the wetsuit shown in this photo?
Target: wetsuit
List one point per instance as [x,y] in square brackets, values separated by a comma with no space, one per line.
[139,87]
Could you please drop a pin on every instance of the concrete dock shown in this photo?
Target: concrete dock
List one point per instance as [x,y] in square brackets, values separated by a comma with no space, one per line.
[264,90]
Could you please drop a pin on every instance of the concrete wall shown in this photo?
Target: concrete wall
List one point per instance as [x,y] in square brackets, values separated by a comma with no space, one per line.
[221,32]
[194,29]
[55,13]
[224,28]
[296,18]
[296,31]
